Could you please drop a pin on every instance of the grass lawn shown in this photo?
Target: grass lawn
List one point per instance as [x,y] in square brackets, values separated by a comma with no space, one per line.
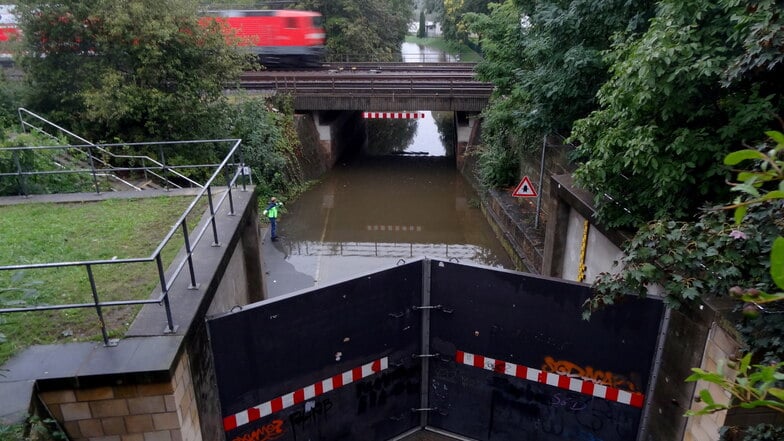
[45,233]
[466,53]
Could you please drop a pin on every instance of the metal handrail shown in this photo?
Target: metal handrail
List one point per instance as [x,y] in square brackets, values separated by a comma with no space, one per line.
[22,111]
[232,159]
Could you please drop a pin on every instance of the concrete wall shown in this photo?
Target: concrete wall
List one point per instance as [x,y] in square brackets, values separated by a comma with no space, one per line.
[332,134]
[588,247]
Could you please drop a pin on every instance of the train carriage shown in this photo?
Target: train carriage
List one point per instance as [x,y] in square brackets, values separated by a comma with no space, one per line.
[277,37]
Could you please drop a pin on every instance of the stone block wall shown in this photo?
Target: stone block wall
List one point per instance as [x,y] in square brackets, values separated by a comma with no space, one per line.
[185,401]
[138,412]
[720,347]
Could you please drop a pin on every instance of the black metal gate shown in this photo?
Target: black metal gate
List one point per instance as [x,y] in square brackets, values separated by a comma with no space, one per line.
[481,353]
[517,362]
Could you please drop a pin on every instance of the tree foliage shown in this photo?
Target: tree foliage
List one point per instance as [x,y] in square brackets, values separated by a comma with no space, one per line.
[545,59]
[678,100]
[422,30]
[364,29]
[454,11]
[136,70]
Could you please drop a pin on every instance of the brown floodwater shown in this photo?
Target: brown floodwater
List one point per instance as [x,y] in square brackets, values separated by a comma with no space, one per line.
[386,205]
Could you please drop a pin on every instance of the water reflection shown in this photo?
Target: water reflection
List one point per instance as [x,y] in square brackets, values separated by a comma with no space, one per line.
[417,53]
[432,135]
[391,207]
[384,205]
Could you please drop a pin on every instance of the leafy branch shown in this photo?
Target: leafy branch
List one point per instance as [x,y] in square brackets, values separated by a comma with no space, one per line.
[752,184]
[754,386]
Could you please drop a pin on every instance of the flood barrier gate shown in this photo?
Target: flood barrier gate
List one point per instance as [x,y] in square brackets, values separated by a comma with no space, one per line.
[481,353]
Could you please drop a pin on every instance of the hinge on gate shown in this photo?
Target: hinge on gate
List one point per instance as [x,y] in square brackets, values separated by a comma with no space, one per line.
[441,307]
[424,409]
[427,307]
[424,355]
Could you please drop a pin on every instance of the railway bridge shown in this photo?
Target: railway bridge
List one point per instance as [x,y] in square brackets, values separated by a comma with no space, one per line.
[386,87]
[337,94]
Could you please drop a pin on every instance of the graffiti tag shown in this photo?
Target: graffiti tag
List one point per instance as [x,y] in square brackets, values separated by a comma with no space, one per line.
[313,410]
[273,430]
[375,393]
[607,378]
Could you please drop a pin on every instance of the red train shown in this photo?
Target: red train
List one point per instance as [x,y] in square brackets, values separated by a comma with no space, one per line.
[8,33]
[278,37]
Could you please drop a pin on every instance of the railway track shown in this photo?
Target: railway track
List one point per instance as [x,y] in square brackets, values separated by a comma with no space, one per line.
[456,79]
[373,87]
[390,67]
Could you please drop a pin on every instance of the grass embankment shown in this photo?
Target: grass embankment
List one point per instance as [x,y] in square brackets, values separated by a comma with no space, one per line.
[466,53]
[45,233]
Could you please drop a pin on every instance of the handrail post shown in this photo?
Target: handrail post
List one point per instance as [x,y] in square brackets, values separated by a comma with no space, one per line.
[170,329]
[164,169]
[18,163]
[242,164]
[188,252]
[92,168]
[215,242]
[228,188]
[98,306]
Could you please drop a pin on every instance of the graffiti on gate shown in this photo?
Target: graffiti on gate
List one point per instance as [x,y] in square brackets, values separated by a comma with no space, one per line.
[273,430]
[588,373]
[313,411]
[565,415]
[394,382]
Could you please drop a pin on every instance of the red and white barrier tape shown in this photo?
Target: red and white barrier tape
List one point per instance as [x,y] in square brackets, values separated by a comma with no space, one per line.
[393,115]
[587,387]
[277,404]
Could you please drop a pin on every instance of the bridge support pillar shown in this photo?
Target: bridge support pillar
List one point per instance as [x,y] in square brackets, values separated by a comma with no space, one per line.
[467,133]
[337,131]
[324,129]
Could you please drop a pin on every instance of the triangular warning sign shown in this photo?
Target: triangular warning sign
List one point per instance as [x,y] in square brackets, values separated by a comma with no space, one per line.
[524,189]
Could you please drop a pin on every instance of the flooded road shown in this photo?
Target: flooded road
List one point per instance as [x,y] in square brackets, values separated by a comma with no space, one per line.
[401,199]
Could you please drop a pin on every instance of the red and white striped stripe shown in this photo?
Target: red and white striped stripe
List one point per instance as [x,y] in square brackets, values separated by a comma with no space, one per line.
[587,387]
[393,115]
[282,402]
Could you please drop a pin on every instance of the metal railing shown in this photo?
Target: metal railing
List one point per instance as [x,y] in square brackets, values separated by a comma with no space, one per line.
[385,249]
[231,171]
[95,153]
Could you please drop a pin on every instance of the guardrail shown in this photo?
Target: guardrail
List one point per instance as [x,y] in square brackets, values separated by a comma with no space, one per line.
[98,165]
[228,176]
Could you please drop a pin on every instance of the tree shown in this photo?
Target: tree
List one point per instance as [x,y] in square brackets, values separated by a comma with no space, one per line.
[364,29]
[136,70]
[422,31]
[454,27]
[673,108]
[545,59]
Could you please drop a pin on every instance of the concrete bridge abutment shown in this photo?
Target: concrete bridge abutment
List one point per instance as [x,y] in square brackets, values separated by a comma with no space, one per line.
[467,132]
[338,131]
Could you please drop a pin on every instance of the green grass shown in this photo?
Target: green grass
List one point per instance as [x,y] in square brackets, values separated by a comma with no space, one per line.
[466,53]
[45,233]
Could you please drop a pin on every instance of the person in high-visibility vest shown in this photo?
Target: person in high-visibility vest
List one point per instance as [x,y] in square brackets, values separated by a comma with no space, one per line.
[272,214]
